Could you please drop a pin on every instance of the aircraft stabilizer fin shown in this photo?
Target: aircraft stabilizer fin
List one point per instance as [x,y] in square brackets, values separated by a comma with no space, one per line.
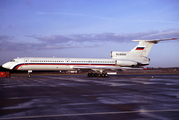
[141,50]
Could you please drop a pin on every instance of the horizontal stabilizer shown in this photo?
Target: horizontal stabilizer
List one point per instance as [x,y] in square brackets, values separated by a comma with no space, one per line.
[155,41]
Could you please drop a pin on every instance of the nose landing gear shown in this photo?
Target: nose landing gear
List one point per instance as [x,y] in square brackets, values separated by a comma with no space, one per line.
[29,71]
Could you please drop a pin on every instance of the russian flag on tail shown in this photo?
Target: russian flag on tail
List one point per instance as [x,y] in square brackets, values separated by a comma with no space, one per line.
[139,48]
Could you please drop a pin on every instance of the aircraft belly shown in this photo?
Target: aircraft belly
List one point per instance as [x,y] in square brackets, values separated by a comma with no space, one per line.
[45,67]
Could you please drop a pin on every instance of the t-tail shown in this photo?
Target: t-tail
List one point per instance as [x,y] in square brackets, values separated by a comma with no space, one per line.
[140,51]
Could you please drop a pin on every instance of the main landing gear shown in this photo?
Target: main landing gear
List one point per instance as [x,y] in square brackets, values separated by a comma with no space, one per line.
[97,75]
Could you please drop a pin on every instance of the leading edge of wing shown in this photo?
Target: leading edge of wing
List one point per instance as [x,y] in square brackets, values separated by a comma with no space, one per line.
[156,41]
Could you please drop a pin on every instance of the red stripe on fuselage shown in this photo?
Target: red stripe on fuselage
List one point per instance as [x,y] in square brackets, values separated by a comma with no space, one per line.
[16,67]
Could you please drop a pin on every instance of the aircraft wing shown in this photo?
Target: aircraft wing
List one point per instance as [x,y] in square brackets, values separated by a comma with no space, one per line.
[104,68]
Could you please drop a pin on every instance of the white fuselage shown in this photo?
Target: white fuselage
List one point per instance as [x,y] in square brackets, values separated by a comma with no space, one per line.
[55,63]
[32,63]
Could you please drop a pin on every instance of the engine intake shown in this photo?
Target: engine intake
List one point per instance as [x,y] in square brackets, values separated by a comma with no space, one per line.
[126,63]
[118,54]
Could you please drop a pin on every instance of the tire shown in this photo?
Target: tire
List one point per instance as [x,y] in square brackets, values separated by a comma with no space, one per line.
[89,74]
[106,75]
[92,75]
[29,76]
[96,74]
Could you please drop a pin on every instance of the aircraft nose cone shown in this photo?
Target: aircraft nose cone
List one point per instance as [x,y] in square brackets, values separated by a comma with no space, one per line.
[6,65]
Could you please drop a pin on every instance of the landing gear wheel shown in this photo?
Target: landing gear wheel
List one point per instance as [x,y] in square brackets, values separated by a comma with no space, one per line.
[89,74]
[29,76]
[106,75]
[97,75]
[29,71]
[92,74]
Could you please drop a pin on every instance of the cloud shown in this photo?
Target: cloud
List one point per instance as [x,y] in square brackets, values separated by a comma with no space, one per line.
[5,37]
[82,40]
[52,47]
[52,39]
[11,46]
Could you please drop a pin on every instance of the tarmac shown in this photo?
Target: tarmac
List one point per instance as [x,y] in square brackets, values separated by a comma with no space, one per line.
[77,97]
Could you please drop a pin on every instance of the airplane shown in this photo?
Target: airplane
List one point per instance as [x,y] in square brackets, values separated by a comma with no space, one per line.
[96,67]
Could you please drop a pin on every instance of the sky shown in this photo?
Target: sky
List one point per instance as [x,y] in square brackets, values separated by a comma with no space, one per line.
[88,28]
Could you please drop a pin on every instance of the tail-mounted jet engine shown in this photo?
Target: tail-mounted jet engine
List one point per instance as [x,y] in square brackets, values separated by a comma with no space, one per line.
[126,63]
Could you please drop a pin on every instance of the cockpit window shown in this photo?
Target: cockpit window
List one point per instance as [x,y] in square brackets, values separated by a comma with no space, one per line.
[12,60]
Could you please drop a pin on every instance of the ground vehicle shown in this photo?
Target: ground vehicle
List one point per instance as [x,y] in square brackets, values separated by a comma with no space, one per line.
[4,74]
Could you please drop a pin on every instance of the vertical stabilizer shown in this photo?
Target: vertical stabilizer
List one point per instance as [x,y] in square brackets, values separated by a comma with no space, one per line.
[141,50]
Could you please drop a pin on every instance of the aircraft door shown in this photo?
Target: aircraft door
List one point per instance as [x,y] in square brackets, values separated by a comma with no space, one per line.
[67,61]
[26,61]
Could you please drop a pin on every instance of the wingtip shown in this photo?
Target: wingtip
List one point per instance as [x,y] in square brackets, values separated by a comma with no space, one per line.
[174,38]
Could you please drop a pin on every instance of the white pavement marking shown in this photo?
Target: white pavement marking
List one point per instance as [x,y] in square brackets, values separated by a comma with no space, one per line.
[81,114]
